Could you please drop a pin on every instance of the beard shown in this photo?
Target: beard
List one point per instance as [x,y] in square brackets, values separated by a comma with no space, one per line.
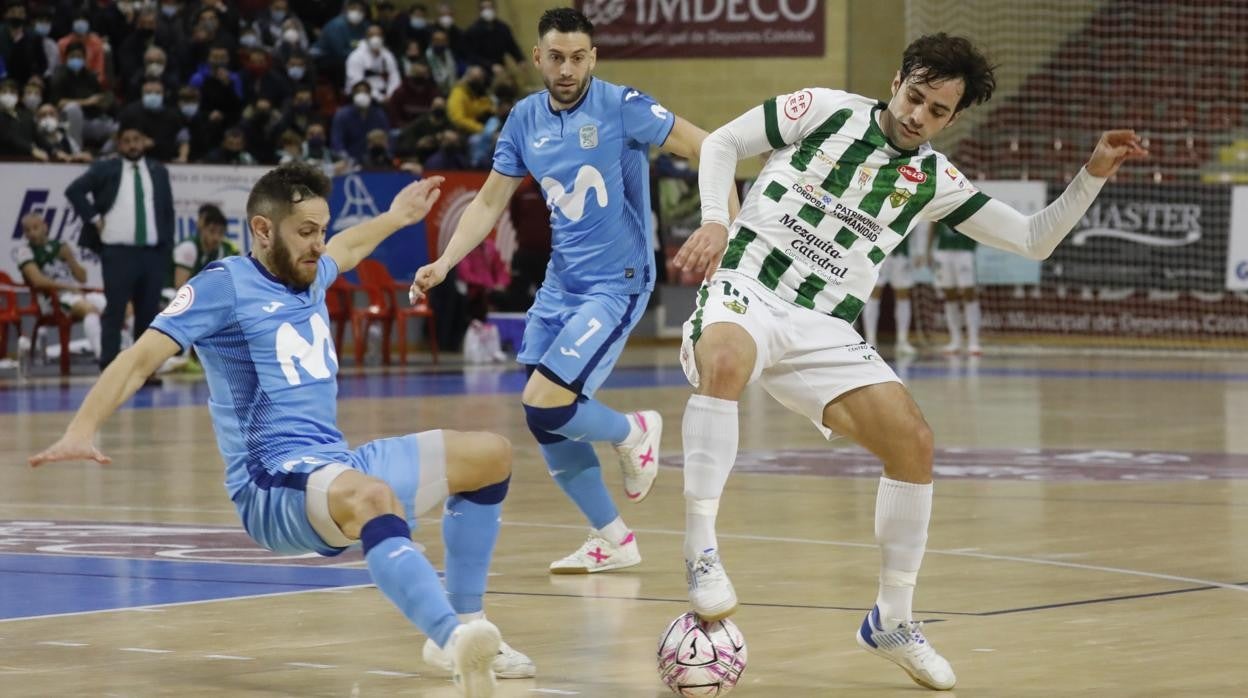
[287,269]
[567,96]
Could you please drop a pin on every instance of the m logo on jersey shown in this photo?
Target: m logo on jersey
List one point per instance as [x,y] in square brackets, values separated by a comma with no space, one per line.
[913,175]
[572,203]
[292,347]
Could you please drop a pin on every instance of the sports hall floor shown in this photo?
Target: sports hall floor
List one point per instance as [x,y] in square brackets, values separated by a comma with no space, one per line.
[1089,537]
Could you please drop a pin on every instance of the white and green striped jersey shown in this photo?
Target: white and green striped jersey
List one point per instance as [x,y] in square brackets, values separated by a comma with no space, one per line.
[834,199]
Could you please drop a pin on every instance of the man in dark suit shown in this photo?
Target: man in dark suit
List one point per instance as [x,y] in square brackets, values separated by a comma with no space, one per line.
[126,207]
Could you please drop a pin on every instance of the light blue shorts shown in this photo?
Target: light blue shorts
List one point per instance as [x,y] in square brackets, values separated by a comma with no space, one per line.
[578,337]
[290,514]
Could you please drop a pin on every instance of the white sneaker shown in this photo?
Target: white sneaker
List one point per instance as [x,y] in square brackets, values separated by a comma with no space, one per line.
[472,649]
[640,463]
[951,349]
[508,664]
[906,647]
[597,554]
[974,350]
[905,349]
[710,591]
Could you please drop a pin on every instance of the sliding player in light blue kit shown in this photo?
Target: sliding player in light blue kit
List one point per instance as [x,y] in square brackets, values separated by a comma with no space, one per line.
[260,327]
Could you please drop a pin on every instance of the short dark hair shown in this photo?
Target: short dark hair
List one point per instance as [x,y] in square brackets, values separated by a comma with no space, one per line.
[564,20]
[937,57]
[212,215]
[277,192]
[75,47]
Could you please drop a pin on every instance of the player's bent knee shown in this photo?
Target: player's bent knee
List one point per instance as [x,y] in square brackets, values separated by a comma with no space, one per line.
[476,460]
[724,371]
[540,391]
[371,499]
[546,420]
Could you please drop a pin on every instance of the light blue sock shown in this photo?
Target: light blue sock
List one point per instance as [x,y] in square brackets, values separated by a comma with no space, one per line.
[574,465]
[594,421]
[406,578]
[469,528]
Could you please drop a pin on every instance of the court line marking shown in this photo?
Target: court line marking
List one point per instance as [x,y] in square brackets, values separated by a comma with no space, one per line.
[930,551]
[145,650]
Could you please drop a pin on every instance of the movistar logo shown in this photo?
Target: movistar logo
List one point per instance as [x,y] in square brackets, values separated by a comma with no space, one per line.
[314,357]
[572,203]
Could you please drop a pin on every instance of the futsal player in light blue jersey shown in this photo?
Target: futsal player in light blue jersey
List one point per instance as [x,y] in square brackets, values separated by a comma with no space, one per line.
[260,327]
[586,142]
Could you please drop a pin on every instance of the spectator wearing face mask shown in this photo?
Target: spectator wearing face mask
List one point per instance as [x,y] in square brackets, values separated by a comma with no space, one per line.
[418,139]
[202,129]
[207,33]
[284,80]
[469,103]
[21,49]
[53,139]
[17,126]
[293,40]
[92,44]
[450,153]
[83,102]
[354,120]
[171,33]
[111,21]
[373,63]
[300,113]
[489,40]
[446,22]
[260,130]
[443,63]
[233,150]
[316,151]
[339,38]
[413,98]
[407,27]
[134,53]
[268,22]
[32,93]
[155,67]
[377,157]
[160,121]
[220,89]
[41,26]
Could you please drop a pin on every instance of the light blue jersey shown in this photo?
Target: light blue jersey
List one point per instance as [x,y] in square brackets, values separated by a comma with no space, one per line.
[269,358]
[591,162]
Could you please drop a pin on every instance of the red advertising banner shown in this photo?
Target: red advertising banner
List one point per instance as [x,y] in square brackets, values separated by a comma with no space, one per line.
[459,189]
[706,28]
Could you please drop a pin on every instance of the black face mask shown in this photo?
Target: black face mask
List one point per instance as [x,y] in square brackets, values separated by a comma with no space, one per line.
[439,114]
[16,22]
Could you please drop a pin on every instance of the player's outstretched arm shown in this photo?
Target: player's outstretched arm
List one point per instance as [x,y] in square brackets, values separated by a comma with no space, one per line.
[1037,235]
[476,223]
[123,377]
[410,206]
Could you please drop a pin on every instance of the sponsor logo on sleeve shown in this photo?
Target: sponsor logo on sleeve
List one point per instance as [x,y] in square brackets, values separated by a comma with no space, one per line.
[798,104]
[181,302]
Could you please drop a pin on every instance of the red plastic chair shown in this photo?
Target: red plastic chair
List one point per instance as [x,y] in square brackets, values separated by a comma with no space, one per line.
[384,306]
[9,312]
[53,317]
[340,300]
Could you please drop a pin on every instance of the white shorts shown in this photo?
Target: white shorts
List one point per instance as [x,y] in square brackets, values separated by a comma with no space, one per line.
[68,299]
[954,268]
[896,272]
[805,359]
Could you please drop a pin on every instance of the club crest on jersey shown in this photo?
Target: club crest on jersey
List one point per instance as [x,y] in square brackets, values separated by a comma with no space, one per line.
[864,176]
[589,136]
[898,198]
[735,306]
[913,175]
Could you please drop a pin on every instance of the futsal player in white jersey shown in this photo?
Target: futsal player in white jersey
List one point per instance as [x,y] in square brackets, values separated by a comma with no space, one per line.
[847,179]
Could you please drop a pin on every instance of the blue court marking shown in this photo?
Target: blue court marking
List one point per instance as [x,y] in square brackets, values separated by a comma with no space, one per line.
[401,383]
[41,585]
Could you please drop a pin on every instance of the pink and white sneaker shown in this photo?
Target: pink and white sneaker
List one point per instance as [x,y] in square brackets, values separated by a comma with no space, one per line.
[640,461]
[598,554]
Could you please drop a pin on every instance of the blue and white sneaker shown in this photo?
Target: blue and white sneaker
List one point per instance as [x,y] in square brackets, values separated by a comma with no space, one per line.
[906,647]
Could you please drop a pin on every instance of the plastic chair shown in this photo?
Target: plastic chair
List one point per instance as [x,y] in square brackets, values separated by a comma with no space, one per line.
[384,306]
[54,316]
[9,312]
[340,300]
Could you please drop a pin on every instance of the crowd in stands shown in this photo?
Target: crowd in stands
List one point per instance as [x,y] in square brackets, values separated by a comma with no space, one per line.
[349,85]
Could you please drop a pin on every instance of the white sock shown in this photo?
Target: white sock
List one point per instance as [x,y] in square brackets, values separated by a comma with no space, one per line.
[902,512]
[871,319]
[903,320]
[634,432]
[953,316]
[614,532]
[91,328]
[972,323]
[469,617]
[709,431]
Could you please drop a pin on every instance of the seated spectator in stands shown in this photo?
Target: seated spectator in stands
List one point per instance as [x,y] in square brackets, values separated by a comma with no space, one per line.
[17,126]
[260,130]
[446,23]
[414,98]
[294,40]
[156,119]
[21,49]
[354,120]
[469,104]
[133,52]
[83,102]
[338,39]
[32,93]
[481,145]
[443,63]
[270,22]
[206,35]
[208,245]
[113,21]
[50,265]
[233,150]
[256,63]
[316,151]
[378,156]
[450,153]
[92,44]
[54,139]
[290,147]
[220,90]
[281,82]
[373,63]
[405,28]
[203,128]
[423,130]
[489,40]
[42,28]
[155,67]
[411,54]
[300,113]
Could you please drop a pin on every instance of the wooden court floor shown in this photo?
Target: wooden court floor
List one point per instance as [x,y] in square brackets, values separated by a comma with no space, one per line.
[1089,537]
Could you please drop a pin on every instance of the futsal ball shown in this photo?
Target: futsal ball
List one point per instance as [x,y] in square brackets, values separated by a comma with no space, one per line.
[701,659]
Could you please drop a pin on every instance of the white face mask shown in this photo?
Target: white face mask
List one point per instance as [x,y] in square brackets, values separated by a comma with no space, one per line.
[446,21]
[355,16]
[48,123]
[32,100]
[488,15]
[291,36]
[8,100]
[155,69]
[375,43]
[362,100]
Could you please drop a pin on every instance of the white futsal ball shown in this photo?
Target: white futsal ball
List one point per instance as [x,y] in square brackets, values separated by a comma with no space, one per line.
[701,659]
